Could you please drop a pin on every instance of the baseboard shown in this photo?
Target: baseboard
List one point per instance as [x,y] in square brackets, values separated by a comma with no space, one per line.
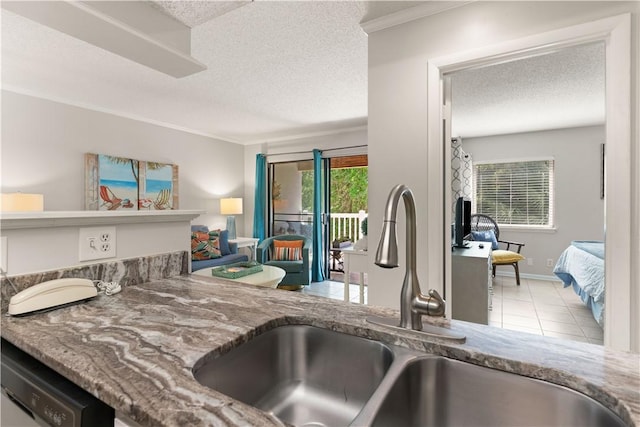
[530,276]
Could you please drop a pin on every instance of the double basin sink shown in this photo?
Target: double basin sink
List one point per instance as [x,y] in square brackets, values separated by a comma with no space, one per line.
[308,376]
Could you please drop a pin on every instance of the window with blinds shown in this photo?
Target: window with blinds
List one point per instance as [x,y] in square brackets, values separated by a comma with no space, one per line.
[515,193]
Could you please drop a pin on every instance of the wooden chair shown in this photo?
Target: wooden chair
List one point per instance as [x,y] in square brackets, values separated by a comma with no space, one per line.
[110,200]
[480,222]
[162,201]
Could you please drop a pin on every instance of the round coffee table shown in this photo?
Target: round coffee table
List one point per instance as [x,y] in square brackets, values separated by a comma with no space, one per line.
[269,277]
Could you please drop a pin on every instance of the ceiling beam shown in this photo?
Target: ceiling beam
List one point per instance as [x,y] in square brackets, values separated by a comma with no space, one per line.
[87,23]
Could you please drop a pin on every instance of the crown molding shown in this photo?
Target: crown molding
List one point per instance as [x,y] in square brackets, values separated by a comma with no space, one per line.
[410,14]
[91,107]
[307,135]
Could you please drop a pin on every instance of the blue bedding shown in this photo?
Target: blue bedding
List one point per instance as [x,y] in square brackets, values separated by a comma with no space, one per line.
[581,266]
[594,247]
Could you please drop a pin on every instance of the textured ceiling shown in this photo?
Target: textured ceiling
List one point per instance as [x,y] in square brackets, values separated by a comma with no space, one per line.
[276,70]
[194,13]
[556,90]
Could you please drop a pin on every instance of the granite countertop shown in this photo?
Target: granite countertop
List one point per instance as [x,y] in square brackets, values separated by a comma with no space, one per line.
[135,350]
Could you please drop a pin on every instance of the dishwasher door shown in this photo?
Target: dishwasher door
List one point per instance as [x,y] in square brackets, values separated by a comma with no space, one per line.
[12,414]
[46,394]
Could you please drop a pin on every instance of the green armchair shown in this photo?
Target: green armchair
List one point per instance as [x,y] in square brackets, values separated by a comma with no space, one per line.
[297,272]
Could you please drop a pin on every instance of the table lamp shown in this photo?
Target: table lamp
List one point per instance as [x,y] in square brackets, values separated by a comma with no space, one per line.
[231,206]
[22,202]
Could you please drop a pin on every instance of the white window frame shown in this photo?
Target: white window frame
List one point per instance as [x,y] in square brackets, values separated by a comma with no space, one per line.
[551,204]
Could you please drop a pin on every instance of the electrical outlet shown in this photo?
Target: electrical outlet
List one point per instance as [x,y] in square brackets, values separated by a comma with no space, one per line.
[529,261]
[549,262]
[97,243]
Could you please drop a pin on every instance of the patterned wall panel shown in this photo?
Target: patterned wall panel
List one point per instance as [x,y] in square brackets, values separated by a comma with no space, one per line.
[461,173]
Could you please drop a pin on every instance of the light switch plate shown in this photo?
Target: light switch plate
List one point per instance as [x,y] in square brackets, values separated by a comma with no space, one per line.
[97,243]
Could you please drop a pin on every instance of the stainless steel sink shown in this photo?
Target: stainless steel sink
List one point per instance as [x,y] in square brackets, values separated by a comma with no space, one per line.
[437,391]
[306,376]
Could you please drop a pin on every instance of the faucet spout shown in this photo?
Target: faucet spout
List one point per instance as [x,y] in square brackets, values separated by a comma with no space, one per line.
[413,304]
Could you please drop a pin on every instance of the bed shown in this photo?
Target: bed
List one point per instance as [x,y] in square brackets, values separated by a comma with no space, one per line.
[581,266]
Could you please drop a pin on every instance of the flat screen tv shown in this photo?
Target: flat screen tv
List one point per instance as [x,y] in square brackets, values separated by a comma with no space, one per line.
[462,223]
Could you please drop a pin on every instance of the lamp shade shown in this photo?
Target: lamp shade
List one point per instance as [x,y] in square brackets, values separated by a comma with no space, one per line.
[21,202]
[231,206]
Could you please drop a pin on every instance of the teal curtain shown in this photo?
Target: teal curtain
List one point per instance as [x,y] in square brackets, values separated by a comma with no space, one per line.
[317,266]
[260,202]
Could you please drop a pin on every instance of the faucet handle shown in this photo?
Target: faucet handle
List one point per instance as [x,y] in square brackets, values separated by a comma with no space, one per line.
[435,295]
[435,304]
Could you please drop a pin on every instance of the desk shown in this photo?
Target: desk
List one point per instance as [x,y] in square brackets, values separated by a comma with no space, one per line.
[471,283]
[246,242]
[269,277]
[355,261]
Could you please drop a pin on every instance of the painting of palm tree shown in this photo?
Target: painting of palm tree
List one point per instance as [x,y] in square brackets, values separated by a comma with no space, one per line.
[118,183]
[158,186]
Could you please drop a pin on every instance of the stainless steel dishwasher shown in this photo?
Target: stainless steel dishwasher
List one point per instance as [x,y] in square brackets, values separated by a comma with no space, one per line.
[35,395]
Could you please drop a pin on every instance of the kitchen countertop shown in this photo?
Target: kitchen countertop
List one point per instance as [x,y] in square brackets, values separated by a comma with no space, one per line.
[135,350]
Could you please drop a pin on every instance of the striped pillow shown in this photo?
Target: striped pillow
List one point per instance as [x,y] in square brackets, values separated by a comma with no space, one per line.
[287,254]
[287,250]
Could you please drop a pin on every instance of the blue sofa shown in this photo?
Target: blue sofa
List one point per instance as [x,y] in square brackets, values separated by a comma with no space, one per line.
[229,258]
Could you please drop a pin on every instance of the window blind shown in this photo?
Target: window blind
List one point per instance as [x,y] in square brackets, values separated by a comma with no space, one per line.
[517,193]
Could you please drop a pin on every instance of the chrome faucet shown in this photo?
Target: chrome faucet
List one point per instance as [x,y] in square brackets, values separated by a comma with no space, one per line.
[413,304]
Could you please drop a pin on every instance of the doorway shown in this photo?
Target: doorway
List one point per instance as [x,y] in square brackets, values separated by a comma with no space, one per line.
[344,204]
[348,200]
[615,31]
[517,129]
[291,203]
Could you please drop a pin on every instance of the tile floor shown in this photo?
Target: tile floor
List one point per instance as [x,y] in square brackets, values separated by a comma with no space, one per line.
[539,307]
[334,288]
[542,307]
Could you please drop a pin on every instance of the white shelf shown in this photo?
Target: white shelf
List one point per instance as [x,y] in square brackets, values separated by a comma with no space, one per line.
[14,221]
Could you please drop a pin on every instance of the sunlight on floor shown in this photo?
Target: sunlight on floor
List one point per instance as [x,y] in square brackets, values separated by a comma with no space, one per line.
[541,307]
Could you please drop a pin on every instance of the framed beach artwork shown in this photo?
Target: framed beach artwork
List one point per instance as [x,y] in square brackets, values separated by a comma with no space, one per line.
[158,186]
[119,183]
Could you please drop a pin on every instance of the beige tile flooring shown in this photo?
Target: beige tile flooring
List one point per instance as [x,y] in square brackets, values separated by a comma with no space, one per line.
[539,307]
[335,289]
[542,307]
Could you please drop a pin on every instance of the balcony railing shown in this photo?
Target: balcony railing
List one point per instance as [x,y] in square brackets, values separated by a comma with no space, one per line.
[343,225]
[347,225]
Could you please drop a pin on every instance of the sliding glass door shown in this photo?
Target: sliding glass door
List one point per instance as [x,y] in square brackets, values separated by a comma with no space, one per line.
[291,203]
[342,207]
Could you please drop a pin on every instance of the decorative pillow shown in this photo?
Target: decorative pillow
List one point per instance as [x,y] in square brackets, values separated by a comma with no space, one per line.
[202,247]
[221,240]
[287,250]
[287,254]
[486,236]
[505,257]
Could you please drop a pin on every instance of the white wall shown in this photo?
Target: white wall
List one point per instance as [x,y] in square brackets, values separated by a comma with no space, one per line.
[52,248]
[579,211]
[43,144]
[398,136]
[43,147]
